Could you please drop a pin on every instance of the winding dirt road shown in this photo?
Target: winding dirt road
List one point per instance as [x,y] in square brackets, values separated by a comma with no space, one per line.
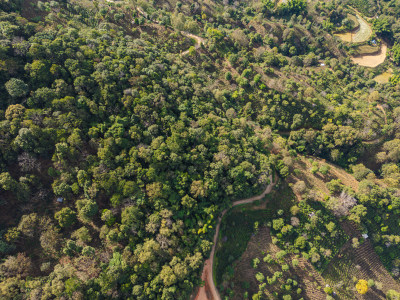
[209,291]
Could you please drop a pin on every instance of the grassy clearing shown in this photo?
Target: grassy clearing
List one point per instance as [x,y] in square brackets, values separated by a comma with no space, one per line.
[237,226]
[345,37]
[384,77]
[366,50]
[317,181]
[360,34]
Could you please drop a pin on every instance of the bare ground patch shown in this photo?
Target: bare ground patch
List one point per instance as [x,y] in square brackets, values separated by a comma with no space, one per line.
[372,60]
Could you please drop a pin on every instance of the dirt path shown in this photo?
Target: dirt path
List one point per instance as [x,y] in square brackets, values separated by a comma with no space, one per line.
[372,60]
[209,291]
[199,40]
[375,141]
[384,112]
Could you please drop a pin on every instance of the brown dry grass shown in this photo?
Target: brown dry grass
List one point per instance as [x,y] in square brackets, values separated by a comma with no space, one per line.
[318,181]
[384,77]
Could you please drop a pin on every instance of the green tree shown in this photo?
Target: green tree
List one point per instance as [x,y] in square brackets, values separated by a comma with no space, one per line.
[86,209]
[65,217]
[16,88]
[383,26]
[260,277]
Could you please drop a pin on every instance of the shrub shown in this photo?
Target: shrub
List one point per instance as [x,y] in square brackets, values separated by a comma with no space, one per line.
[299,187]
[260,277]
[328,290]
[65,217]
[256,261]
[16,88]
[295,262]
[362,286]
[324,169]
[371,283]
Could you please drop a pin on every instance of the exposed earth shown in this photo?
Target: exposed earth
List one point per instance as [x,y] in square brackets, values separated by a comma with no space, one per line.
[372,60]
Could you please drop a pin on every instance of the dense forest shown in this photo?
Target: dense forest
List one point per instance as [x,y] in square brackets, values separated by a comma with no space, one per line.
[127,127]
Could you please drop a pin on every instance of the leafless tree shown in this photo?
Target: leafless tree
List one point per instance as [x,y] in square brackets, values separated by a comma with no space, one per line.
[28,163]
[163,241]
[341,205]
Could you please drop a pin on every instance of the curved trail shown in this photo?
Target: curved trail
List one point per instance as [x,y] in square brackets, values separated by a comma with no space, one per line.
[199,40]
[209,290]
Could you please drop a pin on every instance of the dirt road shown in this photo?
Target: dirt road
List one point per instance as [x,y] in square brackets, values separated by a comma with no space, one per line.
[209,291]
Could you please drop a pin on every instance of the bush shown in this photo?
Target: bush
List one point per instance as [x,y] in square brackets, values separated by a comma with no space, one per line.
[371,283]
[362,286]
[334,186]
[299,187]
[328,290]
[65,217]
[16,88]
[324,169]
[392,295]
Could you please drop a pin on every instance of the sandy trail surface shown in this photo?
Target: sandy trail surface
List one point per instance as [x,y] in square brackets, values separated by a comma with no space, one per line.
[371,60]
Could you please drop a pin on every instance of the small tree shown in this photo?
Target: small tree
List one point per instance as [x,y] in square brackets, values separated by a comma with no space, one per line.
[371,283]
[16,88]
[65,217]
[256,261]
[355,242]
[299,187]
[395,51]
[362,286]
[281,254]
[328,290]
[324,169]
[260,277]
[295,262]
[268,259]
[392,295]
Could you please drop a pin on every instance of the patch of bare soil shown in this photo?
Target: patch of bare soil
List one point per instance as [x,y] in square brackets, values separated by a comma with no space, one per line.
[204,292]
[199,40]
[309,280]
[372,60]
